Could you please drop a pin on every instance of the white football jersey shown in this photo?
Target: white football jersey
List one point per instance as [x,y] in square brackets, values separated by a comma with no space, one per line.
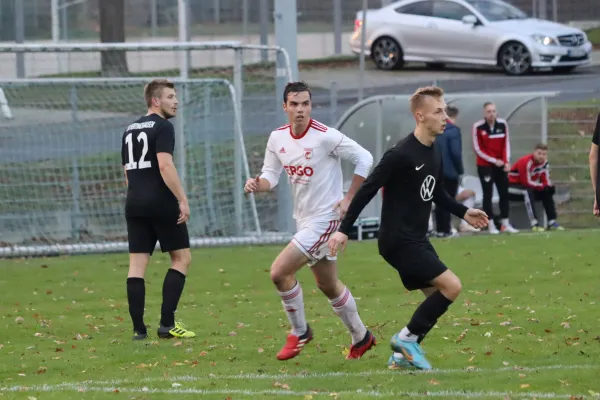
[312,162]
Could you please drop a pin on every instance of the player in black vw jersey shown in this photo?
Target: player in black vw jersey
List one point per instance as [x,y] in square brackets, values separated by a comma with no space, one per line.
[156,209]
[412,177]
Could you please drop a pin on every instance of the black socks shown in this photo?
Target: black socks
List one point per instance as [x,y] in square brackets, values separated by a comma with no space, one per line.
[136,297]
[172,289]
[427,314]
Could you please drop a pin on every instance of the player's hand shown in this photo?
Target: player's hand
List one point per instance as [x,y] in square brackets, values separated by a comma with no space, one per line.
[596,209]
[184,212]
[337,241]
[476,218]
[499,163]
[506,168]
[252,185]
[342,206]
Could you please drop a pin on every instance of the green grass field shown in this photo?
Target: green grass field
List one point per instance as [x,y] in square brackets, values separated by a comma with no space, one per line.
[526,326]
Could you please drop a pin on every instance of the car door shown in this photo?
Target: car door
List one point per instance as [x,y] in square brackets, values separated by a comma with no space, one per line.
[412,29]
[458,41]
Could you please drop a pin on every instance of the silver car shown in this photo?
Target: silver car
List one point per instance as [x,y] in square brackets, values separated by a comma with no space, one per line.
[483,32]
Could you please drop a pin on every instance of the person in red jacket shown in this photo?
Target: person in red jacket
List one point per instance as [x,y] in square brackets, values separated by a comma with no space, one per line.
[492,148]
[529,180]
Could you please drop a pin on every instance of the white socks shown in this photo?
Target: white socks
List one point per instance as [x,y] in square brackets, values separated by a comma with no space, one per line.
[345,307]
[407,336]
[293,304]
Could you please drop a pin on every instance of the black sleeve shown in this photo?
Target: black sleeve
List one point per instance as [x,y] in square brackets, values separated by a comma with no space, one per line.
[388,165]
[124,152]
[165,138]
[596,137]
[444,200]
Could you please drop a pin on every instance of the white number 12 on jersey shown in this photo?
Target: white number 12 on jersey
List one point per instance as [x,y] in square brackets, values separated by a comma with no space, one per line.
[143,163]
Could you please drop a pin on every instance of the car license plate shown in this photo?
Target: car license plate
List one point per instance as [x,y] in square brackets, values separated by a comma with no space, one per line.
[576,52]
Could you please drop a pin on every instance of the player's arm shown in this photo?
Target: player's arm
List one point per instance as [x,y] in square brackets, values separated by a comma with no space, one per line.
[390,163]
[125,173]
[525,172]
[271,170]
[350,150]
[593,158]
[444,200]
[165,145]
[124,159]
[506,144]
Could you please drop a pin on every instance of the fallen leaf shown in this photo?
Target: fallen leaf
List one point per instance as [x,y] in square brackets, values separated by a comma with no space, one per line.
[42,370]
[261,350]
[203,353]
[232,333]
[525,386]
[177,343]
[434,382]
[308,397]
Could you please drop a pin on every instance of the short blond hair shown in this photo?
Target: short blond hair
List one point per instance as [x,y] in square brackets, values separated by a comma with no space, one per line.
[155,88]
[421,93]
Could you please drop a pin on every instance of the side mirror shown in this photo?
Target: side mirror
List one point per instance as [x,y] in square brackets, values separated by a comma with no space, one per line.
[469,19]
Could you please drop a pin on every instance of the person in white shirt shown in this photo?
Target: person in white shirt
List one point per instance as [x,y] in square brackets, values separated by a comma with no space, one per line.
[311,154]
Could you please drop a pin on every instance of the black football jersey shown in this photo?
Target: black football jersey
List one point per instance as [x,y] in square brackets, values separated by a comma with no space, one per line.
[147,193]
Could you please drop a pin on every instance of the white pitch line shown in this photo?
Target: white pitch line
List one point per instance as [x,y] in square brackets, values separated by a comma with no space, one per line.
[314,375]
[281,392]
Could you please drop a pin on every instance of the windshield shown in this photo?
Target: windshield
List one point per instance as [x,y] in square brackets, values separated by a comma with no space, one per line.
[496,10]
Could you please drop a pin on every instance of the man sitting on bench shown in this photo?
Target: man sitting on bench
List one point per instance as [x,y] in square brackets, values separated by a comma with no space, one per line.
[529,180]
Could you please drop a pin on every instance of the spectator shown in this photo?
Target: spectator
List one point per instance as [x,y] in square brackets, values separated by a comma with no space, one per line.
[492,148]
[450,145]
[529,180]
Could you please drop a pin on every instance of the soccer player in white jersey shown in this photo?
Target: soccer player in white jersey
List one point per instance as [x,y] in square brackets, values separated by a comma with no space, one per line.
[311,154]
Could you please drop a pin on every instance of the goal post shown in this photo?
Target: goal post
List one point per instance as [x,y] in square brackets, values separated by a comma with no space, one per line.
[61,182]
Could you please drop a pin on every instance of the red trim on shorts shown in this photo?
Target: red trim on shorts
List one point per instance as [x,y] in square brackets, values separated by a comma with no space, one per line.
[333,225]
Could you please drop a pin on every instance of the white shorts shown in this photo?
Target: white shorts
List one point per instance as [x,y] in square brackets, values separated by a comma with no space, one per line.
[312,237]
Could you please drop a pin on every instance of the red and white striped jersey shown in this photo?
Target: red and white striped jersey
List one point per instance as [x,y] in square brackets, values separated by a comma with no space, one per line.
[312,162]
[527,173]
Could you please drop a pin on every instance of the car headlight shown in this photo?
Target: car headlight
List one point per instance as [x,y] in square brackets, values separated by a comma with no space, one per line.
[545,40]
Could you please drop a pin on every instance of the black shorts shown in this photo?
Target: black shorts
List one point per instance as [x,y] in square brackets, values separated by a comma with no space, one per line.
[143,232]
[417,263]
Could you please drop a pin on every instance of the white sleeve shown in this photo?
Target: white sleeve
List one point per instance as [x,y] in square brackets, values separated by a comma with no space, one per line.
[347,149]
[272,166]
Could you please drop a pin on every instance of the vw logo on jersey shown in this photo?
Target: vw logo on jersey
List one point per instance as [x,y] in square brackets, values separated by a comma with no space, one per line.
[427,188]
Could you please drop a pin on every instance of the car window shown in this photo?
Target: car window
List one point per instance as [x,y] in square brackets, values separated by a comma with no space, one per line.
[449,10]
[422,8]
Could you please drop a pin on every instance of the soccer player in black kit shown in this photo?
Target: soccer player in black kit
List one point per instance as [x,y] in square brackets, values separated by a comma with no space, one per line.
[156,209]
[411,176]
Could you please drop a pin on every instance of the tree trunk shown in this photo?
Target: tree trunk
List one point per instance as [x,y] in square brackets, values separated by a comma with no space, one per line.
[112,30]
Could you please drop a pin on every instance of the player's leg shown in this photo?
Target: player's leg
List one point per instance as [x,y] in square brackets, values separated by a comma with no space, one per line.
[423,269]
[174,239]
[501,180]
[547,198]
[487,188]
[344,305]
[142,241]
[526,195]
[397,359]
[283,275]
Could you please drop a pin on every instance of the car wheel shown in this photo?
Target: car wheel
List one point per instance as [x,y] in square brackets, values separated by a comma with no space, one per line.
[387,54]
[563,70]
[514,58]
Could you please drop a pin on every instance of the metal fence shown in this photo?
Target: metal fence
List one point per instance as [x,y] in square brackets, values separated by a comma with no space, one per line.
[60,174]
